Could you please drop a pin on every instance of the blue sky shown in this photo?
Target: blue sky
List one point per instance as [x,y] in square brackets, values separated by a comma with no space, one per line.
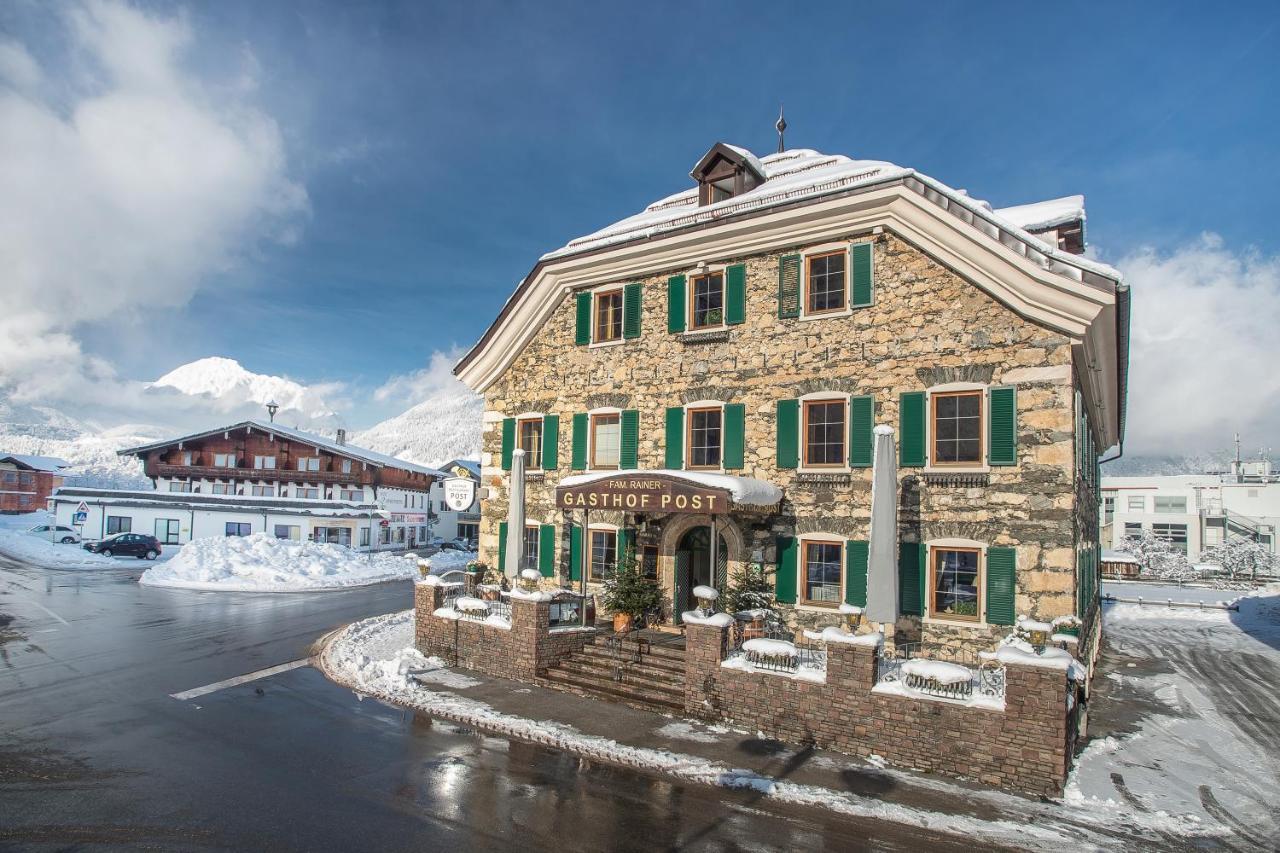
[444,147]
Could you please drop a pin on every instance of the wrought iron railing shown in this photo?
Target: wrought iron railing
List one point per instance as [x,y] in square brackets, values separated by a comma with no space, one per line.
[987,677]
[567,608]
[804,652]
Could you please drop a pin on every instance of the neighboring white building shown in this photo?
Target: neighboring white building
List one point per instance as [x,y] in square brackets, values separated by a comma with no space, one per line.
[1195,511]
[450,524]
[254,477]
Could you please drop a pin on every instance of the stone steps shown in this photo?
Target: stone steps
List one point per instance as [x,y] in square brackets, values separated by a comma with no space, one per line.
[654,682]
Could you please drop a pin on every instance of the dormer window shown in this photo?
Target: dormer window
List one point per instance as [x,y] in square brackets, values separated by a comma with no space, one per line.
[726,171]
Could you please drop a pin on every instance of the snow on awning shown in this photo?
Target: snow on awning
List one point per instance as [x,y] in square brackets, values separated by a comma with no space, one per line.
[664,490]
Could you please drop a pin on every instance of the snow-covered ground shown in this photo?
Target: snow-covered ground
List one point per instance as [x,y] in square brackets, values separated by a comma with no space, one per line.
[41,552]
[262,563]
[376,657]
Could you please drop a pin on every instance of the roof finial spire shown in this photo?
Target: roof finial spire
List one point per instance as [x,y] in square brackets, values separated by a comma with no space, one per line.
[781,125]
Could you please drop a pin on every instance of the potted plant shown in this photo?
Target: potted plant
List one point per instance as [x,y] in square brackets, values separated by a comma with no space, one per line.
[489,582]
[749,597]
[628,593]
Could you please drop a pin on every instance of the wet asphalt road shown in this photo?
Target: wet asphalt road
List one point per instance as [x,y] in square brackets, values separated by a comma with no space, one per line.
[95,754]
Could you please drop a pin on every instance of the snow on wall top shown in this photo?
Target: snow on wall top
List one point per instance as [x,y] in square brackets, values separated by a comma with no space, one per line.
[1042,215]
[37,463]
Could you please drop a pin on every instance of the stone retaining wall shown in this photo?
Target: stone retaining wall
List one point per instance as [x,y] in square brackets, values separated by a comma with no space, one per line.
[1023,747]
[522,653]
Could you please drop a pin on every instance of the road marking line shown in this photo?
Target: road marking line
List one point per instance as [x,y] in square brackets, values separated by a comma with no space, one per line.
[47,610]
[239,679]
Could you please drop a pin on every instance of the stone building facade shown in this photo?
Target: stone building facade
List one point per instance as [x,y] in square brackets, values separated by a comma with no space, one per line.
[930,316]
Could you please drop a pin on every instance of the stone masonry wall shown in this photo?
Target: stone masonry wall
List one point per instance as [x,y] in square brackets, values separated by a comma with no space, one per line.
[1023,747]
[521,653]
[928,327]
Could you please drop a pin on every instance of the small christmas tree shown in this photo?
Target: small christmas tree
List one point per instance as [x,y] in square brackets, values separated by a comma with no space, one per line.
[627,590]
[750,589]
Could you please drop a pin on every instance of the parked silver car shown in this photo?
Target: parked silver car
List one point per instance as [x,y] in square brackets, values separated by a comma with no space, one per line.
[65,535]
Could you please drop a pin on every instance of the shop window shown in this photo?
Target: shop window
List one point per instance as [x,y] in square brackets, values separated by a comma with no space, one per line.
[825,284]
[705,437]
[606,440]
[957,428]
[238,528]
[604,553]
[824,433]
[364,537]
[823,571]
[708,301]
[608,323]
[954,587]
[530,431]
[119,524]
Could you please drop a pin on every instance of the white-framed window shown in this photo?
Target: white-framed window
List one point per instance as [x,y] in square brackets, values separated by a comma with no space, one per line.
[179,485]
[1108,508]
[224,460]
[186,458]
[1132,529]
[821,570]
[350,495]
[306,493]
[529,439]
[238,528]
[606,319]
[308,463]
[167,531]
[364,537]
[222,489]
[1136,503]
[707,300]
[531,542]
[604,552]
[826,282]
[263,491]
[263,463]
[346,466]
[1171,504]
[704,425]
[955,582]
[605,439]
[288,531]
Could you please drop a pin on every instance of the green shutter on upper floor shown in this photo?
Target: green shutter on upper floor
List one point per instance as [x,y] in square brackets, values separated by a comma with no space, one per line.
[632,309]
[575,552]
[911,577]
[502,546]
[508,441]
[860,265]
[862,413]
[1002,426]
[579,441]
[788,429]
[582,329]
[911,447]
[735,428]
[735,285]
[784,580]
[547,550]
[674,440]
[855,572]
[629,445]
[788,286]
[550,442]
[675,304]
[1002,567]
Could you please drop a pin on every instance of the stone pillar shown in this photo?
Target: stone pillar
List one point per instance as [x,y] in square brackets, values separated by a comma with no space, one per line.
[851,668]
[427,599]
[704,649]
[1035,727]
[528,636]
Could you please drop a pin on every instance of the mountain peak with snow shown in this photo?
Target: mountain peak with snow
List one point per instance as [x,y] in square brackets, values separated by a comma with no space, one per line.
[227,381]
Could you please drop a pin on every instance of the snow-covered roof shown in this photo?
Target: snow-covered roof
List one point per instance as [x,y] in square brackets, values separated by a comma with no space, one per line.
[746,491]
[360,454]
[470,464]
[140,497]
[1042,215]
[51,464]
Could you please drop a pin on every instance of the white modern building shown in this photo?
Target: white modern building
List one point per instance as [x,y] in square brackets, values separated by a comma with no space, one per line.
[457,525]
[1194,511]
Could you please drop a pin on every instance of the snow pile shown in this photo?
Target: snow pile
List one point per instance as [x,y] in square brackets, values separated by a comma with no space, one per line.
[939,671]
[448,561]
[833,634]
[709,593]
[41,552]
[715,620]
[769,648]
[262,563]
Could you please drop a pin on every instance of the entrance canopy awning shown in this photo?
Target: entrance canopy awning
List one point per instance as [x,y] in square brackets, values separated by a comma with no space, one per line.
[665,491]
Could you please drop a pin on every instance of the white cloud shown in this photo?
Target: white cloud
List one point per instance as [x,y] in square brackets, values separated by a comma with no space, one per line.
[119,204]
[1205,348]
[410,388]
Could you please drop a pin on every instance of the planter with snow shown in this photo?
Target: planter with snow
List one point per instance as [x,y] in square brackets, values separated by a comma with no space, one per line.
[773,654]
[938,678]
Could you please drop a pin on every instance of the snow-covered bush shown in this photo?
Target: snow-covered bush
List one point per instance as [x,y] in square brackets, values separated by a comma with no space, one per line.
[1240,558]
[1159,558]
[749,589]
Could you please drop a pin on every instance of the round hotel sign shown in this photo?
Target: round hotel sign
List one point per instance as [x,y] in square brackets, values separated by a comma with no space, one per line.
[459,493]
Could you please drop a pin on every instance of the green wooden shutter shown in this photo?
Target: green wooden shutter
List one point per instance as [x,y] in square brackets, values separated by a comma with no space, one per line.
[1002,426]
[675,304]
[911,572]
[862,412]
[735,282]
[785,579]
[550,442]
[855,572]
[911,449]
[508,441]
[788,286]
[631,310]
[626,540]
[628,450]
[860,267]
[547,550]
[1002,566]
[580,441]
[502,545]
[575,552]
[582,331]
[675,438]
[788,433]
[735,428]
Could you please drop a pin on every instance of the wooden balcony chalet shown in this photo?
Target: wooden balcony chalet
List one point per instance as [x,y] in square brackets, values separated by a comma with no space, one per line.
[202,472]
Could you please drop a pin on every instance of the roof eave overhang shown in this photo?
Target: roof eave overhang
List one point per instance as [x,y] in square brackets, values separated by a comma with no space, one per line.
[249,425]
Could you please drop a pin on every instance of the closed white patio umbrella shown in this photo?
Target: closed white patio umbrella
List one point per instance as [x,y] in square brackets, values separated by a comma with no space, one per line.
[515,517]
[882,560]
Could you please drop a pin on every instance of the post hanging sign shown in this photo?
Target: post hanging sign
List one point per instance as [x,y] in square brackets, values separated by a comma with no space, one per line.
[459,493]
[658,493]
